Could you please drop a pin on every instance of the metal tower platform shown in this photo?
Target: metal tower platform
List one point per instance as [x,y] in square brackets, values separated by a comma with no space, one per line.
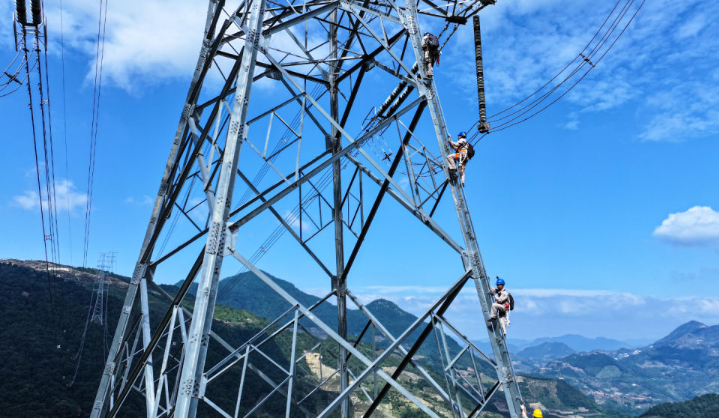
[283,88]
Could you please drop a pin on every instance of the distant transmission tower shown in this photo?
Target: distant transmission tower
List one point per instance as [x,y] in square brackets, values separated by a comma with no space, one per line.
[105,264]
[283,90]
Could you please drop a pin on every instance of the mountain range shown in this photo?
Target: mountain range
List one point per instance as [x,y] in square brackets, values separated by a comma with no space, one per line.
[706,405]
[45,317]
[678,367]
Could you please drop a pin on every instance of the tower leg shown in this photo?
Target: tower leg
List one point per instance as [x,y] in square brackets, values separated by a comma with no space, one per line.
[340,285]
[204,308]
[471,258]
[105,388]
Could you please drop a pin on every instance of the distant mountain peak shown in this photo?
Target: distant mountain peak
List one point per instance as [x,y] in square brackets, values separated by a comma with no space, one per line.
[682,333]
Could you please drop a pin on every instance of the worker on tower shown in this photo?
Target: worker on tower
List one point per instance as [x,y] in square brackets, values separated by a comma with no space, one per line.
[458,160]
[430,46]
[537,414]
[501,305]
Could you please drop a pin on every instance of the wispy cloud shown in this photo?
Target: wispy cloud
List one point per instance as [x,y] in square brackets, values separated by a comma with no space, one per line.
[66,198]
[145,200]
[698,226]
[664,65]
[553,312]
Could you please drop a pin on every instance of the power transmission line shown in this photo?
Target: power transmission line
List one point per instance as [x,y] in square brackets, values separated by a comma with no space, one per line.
[97,90]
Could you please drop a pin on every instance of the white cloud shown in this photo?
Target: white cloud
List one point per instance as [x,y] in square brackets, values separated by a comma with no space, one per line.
[664,64]
[66,198]
[143,201]
[554,312]
[698,226]
[146,43]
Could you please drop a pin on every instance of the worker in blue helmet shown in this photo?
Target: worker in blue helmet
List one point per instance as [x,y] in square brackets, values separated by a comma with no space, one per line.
[458,160]
[501,301]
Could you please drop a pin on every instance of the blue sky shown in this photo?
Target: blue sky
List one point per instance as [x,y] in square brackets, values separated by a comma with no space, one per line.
[600,212]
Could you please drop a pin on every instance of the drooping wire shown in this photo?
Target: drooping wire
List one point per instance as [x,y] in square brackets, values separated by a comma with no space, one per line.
[48,147]
[64,130]
[587,59]
[562,70]
[23,43]
[78,355]
[97,90]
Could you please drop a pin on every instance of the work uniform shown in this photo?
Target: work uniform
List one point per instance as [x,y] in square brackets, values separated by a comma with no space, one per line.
[431,55]
[501,298]
[459,158]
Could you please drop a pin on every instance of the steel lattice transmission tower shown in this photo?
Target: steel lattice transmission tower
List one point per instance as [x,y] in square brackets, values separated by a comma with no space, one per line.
[105,264]
[279,88]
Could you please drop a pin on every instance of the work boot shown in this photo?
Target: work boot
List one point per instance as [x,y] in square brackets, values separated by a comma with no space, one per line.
[491,323]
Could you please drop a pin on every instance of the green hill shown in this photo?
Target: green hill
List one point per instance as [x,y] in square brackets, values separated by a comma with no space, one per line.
[704,406]
[680,366]
[39,345]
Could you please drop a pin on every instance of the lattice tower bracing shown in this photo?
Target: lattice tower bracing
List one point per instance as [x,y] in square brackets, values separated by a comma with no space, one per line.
[105,264]
[283,88]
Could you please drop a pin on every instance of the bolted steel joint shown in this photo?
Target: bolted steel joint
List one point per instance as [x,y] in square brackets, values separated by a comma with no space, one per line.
[109,368]
[187,111]
[505,376]
[188,386]
[216,238]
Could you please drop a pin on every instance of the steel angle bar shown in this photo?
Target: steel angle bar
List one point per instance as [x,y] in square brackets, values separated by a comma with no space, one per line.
[216,407]
[376,323]
[441,306]
[271,188]
[157,335]
[319,386]
[155,223]
[464,338]
[364,391]
[487,396]
[345,152]
[287,226]
[163,368]
[332,334]
[371,56]
[273,109]
[259,404]
[380,195]
[419,213]
[439,197]
[450,369]
[146,340]
[432,193]
[385,44]
[216,337]
[293,356]
[271,360]
[335,124]
[357,5]
[443,303]
[188,217]
[452,402]
[470,386]
[395,73]
[456,358]
[292,72]
[234,353]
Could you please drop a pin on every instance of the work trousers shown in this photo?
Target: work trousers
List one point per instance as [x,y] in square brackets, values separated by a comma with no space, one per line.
[498,307]
[452,163]
[429,58]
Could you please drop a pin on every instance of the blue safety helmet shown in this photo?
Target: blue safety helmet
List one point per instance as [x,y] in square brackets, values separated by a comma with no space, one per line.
[462,134]
[500,281]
